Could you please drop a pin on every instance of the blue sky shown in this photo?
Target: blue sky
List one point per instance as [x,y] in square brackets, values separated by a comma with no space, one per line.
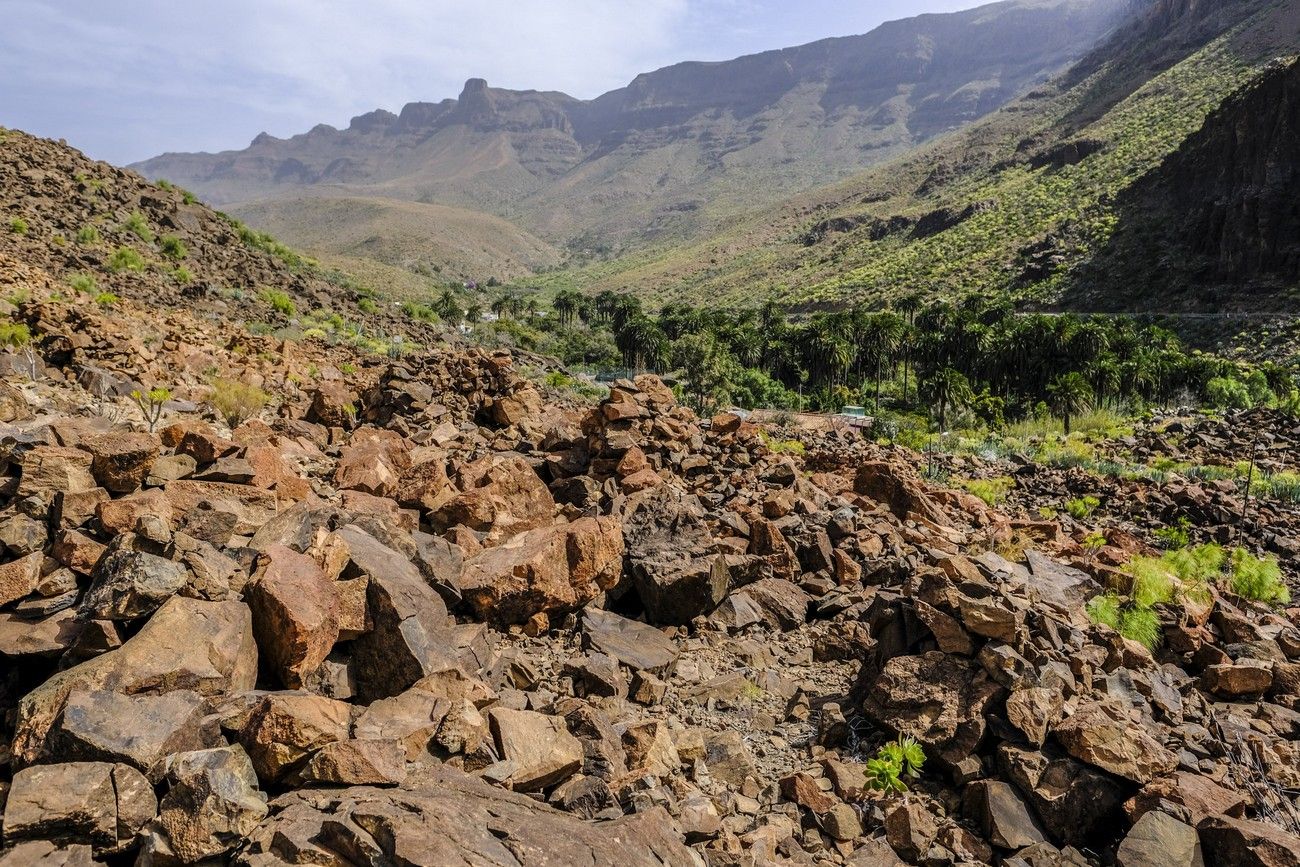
[126,79]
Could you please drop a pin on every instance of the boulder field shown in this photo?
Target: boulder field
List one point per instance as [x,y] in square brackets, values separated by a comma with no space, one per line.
[429,613]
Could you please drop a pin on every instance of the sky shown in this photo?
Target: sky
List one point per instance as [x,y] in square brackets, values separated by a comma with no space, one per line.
[128,79]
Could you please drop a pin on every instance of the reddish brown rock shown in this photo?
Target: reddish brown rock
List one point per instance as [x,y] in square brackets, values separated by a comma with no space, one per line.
[122,460]
[550,570]
[295,613]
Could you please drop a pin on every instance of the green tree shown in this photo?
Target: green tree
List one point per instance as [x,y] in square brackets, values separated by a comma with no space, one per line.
[1069,395]
[947,389]
[707,368]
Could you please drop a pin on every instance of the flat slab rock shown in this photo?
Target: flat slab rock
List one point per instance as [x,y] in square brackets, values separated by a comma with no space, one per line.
[444,816]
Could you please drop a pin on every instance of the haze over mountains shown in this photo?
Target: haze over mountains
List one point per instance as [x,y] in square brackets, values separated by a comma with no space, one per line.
[671,154]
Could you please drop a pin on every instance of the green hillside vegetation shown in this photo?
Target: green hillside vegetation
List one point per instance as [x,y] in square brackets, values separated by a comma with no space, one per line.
[1005,208]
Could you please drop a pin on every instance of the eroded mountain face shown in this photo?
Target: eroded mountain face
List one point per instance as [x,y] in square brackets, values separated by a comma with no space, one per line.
[681,144]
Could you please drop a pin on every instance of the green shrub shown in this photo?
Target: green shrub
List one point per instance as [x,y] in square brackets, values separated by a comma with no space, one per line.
[365,305]
[280,301]
[1141,625]
[137,225]
[992,491]
[125,259]
[347,368]
[236,401]
[1082,508]
[1258,578]
[15,335]
[1176,536]
[420,312]
[1153,581]
[1105,609]
[182,275]
[164,184]
[18,226]
[88,234]
[84,283]
[1198,565]
[106,299]
[173,247]
[151,404]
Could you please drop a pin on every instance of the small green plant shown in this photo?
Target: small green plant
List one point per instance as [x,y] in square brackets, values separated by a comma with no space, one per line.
[87,235]
[236,401]
[1081,509]
[173,247]
[137,225]
[15,335]
[992,491]
[894,763]
[18,226]
[164,184]
[182,275]
[1047,513]
[1258,578]
[151,404]
[1092,543]
[59,240]
[1175,536]
[125,259]
[365,305]
[84,283]
[280,301]
[106,299]
[347,368]
[420,312]
[782,447]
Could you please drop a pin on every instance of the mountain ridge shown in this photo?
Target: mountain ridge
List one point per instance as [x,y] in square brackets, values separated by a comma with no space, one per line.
[681,147]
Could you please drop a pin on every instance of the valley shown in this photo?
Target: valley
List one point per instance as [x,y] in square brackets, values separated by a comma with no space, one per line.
[884,451]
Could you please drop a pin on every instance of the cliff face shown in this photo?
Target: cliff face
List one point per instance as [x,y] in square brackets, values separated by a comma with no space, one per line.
[1217,225]
[650,157]
[1238,182]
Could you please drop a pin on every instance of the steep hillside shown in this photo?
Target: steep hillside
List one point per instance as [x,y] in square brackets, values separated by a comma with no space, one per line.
[100,233]
[1217,225]
[453,242]
[680,147]
[1010,205]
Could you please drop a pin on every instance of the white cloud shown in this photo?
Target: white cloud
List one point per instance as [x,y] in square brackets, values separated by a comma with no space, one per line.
[130,78]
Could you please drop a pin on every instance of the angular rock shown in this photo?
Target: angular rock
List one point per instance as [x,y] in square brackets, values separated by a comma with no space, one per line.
[637,645]
[188,644]
[19,578]
[1101,734]
[79,802]
[122,459]
[285,728]
[138,730]
[539,748]
[411,634]
[1159,840]
[295,613]
[127,585]
[212,803]
[1000,815]
[938,699]
[50,470]
[357,763]
[549,570]
[1248,843]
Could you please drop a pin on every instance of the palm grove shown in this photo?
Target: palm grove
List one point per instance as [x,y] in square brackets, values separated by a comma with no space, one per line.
[971,363]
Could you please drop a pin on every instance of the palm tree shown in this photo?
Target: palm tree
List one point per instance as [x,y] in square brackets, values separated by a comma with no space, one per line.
[501,306]
[474,312]
[448,307]
[880,338]
[948,388]
[1070,395]
[566,305]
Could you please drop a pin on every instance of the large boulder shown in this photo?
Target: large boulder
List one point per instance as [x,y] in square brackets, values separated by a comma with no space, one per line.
[538,748]
[1159,840]
[212,804]
[904,496]
[189,644]
[938,699]
[411,634]
[445,816]
[501,495]
[99,803]
[1101,734]
[295,613]
[121,460]
[548,570]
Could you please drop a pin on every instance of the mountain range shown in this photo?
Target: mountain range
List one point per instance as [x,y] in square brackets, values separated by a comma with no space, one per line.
[671,156]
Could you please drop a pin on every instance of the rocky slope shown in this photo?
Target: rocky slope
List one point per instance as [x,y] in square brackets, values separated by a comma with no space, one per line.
[425,612]
[678,147]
